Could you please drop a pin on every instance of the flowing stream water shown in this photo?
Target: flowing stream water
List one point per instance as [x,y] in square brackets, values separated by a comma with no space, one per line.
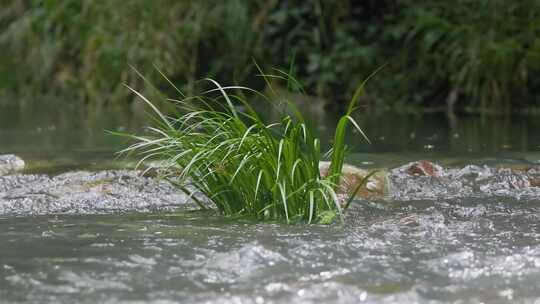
[471,236]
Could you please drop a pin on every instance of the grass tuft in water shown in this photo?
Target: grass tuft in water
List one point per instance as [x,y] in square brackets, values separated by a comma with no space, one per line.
[242,165]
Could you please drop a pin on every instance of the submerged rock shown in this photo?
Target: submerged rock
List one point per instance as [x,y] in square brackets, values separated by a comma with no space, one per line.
[534,176]
[425,180]
[422,168]
[405,183]
[374,188]
[108,191]
[534,181]
[86,192]
[10,163]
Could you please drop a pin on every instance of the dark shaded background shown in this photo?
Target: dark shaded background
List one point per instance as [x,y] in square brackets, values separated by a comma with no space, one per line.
[481,55]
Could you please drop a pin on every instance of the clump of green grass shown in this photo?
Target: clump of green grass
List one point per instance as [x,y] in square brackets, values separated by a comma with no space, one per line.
[244,166]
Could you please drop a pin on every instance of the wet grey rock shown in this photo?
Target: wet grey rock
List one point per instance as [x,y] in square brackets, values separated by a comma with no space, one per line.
[18,180]
[504,180]
[86,192]
[424,180]
[108,191]
[10,163]
[408,182]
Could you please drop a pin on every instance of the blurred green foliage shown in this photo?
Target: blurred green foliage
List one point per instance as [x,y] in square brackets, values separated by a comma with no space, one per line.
[486,51]
[85,47]
[482,54]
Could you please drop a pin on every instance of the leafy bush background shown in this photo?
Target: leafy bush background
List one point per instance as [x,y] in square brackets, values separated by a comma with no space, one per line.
[484,54]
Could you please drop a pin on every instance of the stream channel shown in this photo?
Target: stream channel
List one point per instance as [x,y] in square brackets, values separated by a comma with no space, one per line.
[468,234]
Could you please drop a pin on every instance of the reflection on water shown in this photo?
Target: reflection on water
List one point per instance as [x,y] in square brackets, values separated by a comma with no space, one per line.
[65,136]
[467,134]
[50,128]
[67,133]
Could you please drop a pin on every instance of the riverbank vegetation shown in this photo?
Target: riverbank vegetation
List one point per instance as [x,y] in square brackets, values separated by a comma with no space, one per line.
[468,54]
[243,165]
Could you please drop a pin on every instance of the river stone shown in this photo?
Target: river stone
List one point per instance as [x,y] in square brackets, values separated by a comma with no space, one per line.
[84,192]
[375,187]
[10,163]
[535,182]
[534,176]
[417,180]
[424,180]
[422,168]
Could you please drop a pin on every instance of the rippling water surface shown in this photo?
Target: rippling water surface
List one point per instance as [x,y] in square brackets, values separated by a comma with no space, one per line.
[466,249]
[471,250]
